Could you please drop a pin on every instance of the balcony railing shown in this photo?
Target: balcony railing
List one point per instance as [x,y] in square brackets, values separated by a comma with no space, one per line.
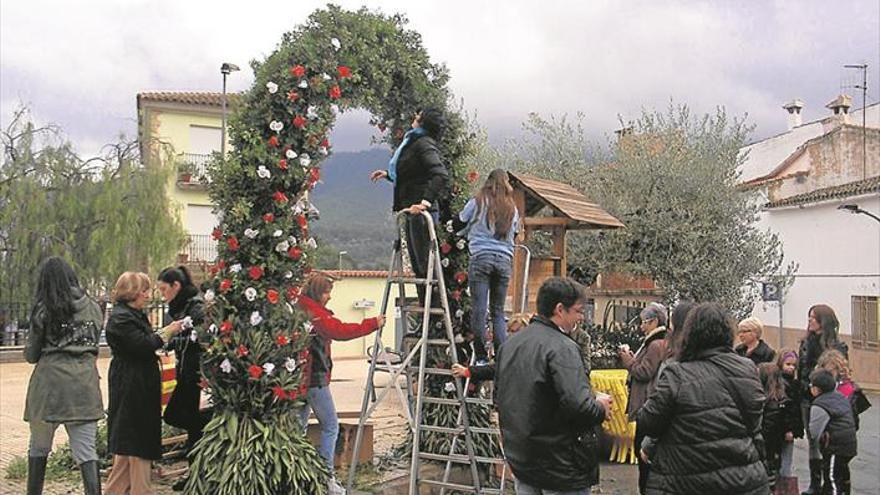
[200,248]
[192,169]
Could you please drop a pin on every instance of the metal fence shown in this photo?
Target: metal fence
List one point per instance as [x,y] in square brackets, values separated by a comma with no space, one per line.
[201,248]
[15,319]
[196,165]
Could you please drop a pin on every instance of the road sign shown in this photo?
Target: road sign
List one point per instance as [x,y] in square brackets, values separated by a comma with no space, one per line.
[771,291]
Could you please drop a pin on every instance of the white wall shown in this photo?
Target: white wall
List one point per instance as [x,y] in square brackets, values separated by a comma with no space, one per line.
[826,241]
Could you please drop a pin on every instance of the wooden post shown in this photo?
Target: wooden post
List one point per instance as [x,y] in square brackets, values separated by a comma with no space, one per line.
[516,280]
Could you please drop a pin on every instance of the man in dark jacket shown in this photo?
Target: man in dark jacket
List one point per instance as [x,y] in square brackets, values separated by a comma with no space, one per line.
[832,423]
[420,182]
[546,410]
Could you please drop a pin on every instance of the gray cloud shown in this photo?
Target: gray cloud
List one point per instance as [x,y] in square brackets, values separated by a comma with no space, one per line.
[81,64]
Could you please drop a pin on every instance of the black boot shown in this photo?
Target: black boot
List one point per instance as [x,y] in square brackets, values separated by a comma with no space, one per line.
[36,475]
[815,478]
[91,477]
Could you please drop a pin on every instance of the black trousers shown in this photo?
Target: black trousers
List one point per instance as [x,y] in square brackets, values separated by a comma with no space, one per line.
[418,245]
[835,471]
[644,468]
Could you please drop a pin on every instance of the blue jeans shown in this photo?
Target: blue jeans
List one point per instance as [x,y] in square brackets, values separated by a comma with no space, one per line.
[524,489]
[488,278]
[320,400]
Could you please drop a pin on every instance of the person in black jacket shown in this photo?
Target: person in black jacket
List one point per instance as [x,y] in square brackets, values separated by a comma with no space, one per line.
[420,182]
[751,345]
[134,417]
[705,413]
[547,412]
[792,423]
[832,422]
[184,301]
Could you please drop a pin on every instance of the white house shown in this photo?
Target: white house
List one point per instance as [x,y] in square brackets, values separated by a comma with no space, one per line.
[804,178]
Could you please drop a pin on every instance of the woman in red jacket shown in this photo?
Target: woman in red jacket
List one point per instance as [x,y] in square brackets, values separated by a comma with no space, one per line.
[326,328]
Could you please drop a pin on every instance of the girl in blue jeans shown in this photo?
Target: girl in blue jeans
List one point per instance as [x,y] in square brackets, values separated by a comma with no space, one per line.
[491,220]
[325,329]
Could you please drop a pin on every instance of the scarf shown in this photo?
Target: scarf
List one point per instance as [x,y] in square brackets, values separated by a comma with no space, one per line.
[410,135]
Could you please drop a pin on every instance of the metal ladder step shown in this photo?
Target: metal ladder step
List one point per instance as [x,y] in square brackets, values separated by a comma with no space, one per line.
[412,280]
[460,487]
[459,458]
[456,402]
[421,310]
[413,338]
[460,430]
[432,371]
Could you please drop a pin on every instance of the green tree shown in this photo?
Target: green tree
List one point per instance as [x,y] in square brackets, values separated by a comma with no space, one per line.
[672,180]
[105,214]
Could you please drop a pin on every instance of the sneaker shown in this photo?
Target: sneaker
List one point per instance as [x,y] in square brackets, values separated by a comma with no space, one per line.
[334,488]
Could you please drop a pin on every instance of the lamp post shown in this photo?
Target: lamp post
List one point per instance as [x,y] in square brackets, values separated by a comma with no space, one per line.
[341,254]
[225,69]
[854,209]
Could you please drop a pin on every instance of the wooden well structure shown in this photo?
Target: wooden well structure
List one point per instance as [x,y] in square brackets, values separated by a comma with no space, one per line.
[549,206]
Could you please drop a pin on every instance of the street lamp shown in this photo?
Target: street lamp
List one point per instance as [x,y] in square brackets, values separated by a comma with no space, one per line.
[341,254]
[225,69]
[854,209]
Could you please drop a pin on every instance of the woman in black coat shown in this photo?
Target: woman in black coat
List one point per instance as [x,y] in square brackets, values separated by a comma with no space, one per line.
[184,301]
[705,413]
[134,418]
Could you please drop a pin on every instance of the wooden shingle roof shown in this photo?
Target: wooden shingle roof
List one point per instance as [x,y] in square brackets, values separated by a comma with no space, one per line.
[565,201]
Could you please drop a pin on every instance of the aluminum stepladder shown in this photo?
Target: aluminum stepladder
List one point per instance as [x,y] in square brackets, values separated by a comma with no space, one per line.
[434,278]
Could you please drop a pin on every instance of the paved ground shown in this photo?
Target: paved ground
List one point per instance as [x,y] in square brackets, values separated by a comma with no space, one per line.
[349,376]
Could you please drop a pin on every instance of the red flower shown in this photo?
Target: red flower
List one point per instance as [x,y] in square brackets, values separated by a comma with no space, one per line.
[456,294]
[292,293]
[314,175]
[445,248]
[302,221]
[214,269]
[281,340]
[298,70]
[242,351]
[343,71]
[299,122]
[295,252]
[225,285]
[461,277]
[226,327]
[255,371]
[279,392]
[273,141]
[282,164]
[279,197]
[268,218]
[221,264]
[292,395]
[325,143]
[335,93]
[217,234]
[272,296]
[255,272]
[292,95]
[472,176]
[232,242]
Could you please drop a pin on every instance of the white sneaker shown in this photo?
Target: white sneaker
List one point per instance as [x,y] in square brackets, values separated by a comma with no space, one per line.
[334,488]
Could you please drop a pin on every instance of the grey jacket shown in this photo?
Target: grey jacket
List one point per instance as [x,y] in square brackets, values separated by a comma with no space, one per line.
[64,384]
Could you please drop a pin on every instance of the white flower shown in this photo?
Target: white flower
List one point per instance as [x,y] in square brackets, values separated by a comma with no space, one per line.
[307,326]
[277,233]
[325,76]
[312,243]
[290,364]
[298,210]
[282,247]
[288,275]
[272,87]
[459,313]
[291,239]
[235,268]
[212,329]
[276,125]
[303,84]
[323,150]
[193,337]
[251,233]
[444,262]
[336,44]
[226,366]
[449,227]
[460,244]
[250,293]
[256,318]
[313,211]
[290,154]
[263,172]
[312,112]
[268,368]
[304,160]
[209,295]
[449,387]
[334,108]
[459,339]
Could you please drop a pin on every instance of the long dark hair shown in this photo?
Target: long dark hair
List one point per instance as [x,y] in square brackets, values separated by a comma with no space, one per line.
[178,274]
[676,330]
[829,324]
[771,379]
[55,284]
[707,326]
[497,195]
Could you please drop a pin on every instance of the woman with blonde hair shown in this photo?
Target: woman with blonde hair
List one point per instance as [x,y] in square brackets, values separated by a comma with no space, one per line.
[491,220]
[134,418]
[751,345]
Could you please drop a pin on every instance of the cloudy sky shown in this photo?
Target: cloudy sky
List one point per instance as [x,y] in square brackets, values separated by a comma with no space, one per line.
[80,64]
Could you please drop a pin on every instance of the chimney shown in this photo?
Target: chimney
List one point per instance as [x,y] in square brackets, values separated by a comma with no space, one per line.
[623,132]
[794,108]
[840,108]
